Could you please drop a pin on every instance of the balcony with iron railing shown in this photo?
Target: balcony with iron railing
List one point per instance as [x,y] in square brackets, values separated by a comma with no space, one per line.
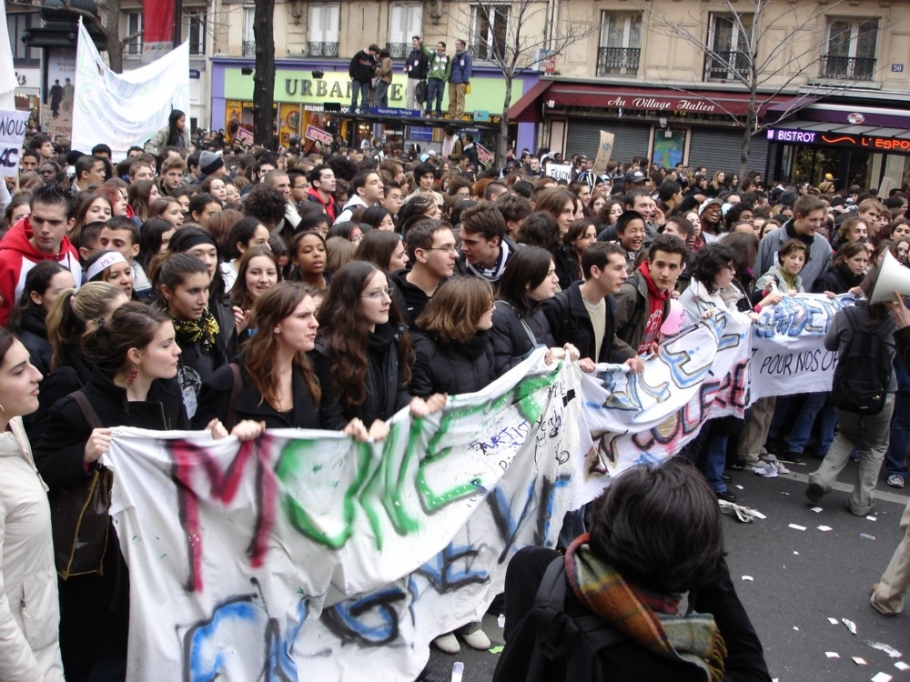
[484,52]
[321,49]
[848,68]
[618,61]
[398,50]
[727,65]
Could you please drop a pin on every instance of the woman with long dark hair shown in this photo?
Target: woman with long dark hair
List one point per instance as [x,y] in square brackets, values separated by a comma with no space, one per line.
[363,353]
[28,321]
[175,134]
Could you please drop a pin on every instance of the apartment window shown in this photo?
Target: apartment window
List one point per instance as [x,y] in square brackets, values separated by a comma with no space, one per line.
[850,49]
[16,23]
[133,28]
[729,40]
[194,26]
[490,25]
[322,33]
[404,21]
[248,45]
[620,44]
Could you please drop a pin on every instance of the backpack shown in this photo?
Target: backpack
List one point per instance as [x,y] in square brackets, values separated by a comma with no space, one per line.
[549,644]
[863,371]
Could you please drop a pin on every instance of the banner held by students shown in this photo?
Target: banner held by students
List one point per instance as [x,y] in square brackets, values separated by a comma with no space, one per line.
[304,555]
[790,355]
[699,374]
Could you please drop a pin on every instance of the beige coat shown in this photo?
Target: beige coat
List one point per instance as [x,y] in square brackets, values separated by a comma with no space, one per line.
[29,611]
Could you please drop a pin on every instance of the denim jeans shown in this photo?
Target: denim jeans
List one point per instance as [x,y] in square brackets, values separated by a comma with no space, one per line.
[435,88]
[381,96]
[712,460]
[803,420]
[363,88]
[900,425]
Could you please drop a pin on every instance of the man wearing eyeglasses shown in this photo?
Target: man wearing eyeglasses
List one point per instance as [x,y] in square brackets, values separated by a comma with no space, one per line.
[432,256]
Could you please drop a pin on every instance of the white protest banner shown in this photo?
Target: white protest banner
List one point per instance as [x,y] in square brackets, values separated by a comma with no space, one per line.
[789,351]
[560,171]
[123,110]
[604,152]
[699,374]
[13,125]
[305,555]
[7,68]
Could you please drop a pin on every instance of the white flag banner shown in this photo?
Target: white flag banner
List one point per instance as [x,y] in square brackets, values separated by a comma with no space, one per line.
[789,343]
[305,555]
[7,69]
[12,132]
[699,374]
[126,109]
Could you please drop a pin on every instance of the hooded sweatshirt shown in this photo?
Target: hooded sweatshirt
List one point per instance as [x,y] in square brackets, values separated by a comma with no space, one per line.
[18,255]
[656,299]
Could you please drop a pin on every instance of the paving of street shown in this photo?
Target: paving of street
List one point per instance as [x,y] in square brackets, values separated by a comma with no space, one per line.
[800,579]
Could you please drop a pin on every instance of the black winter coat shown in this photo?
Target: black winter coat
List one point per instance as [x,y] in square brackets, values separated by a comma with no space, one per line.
[33,335]
[73,373]
[626,660]
[94,621]
[215,398]
[511,341]
[385,384]
[452,368]
[570,323]
[413,297]
[837,279]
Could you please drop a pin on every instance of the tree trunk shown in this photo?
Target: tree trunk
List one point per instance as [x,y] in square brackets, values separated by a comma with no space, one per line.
[264,78]
[502,144]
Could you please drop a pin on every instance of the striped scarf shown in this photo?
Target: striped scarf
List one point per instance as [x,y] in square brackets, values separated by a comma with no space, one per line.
[653,622]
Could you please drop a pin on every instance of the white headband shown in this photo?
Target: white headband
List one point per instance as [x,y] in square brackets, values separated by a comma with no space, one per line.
[104,262]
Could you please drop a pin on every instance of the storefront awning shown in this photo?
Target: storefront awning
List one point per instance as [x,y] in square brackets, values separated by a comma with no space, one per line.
[645,99]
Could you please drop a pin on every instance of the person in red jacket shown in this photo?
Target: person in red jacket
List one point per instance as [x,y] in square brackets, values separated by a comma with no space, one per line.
[37,237]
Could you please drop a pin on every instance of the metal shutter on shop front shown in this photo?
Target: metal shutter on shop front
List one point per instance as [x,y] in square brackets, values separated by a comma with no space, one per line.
[722,149]
[584,138]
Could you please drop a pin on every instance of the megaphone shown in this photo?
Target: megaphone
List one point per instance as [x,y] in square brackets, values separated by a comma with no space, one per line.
[892,276]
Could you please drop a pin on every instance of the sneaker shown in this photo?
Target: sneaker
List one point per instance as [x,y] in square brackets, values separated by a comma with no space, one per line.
[895,481]
[448,643]
[726,496]
[477,640]
[815,492]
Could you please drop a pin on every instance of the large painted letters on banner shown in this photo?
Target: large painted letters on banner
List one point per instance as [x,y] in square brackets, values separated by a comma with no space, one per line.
[303,555]
[790,355]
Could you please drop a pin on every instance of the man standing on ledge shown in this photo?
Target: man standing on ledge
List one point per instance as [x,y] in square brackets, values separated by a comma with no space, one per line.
[361,71]
[440,67]
[416,68]
[459,79]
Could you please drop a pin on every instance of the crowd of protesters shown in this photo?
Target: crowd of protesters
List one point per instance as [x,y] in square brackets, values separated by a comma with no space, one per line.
[196,284]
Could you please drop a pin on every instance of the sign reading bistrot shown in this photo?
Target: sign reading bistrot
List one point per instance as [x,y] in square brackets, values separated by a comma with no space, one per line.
[12,132]
[304,555]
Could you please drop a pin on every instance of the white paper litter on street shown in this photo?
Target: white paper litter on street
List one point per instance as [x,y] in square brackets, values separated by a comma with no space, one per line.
[903,667]
[816,509]
[851,626]
[832,654]
[748,577]
[888,649]
[768,471]
[882,677]
[834,621]
[795,526]
[859,661]
[824,529]
[872,518]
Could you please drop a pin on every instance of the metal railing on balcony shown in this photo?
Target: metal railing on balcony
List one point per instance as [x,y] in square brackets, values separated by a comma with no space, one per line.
[618,61]
[724,66]
[249,48]
[322,49]
[484,52]
[398,50]
[850,68]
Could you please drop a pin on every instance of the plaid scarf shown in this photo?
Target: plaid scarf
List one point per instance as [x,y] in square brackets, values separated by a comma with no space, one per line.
[190,331]
[652,621]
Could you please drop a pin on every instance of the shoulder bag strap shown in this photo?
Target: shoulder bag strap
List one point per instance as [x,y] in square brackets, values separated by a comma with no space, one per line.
[91,417]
